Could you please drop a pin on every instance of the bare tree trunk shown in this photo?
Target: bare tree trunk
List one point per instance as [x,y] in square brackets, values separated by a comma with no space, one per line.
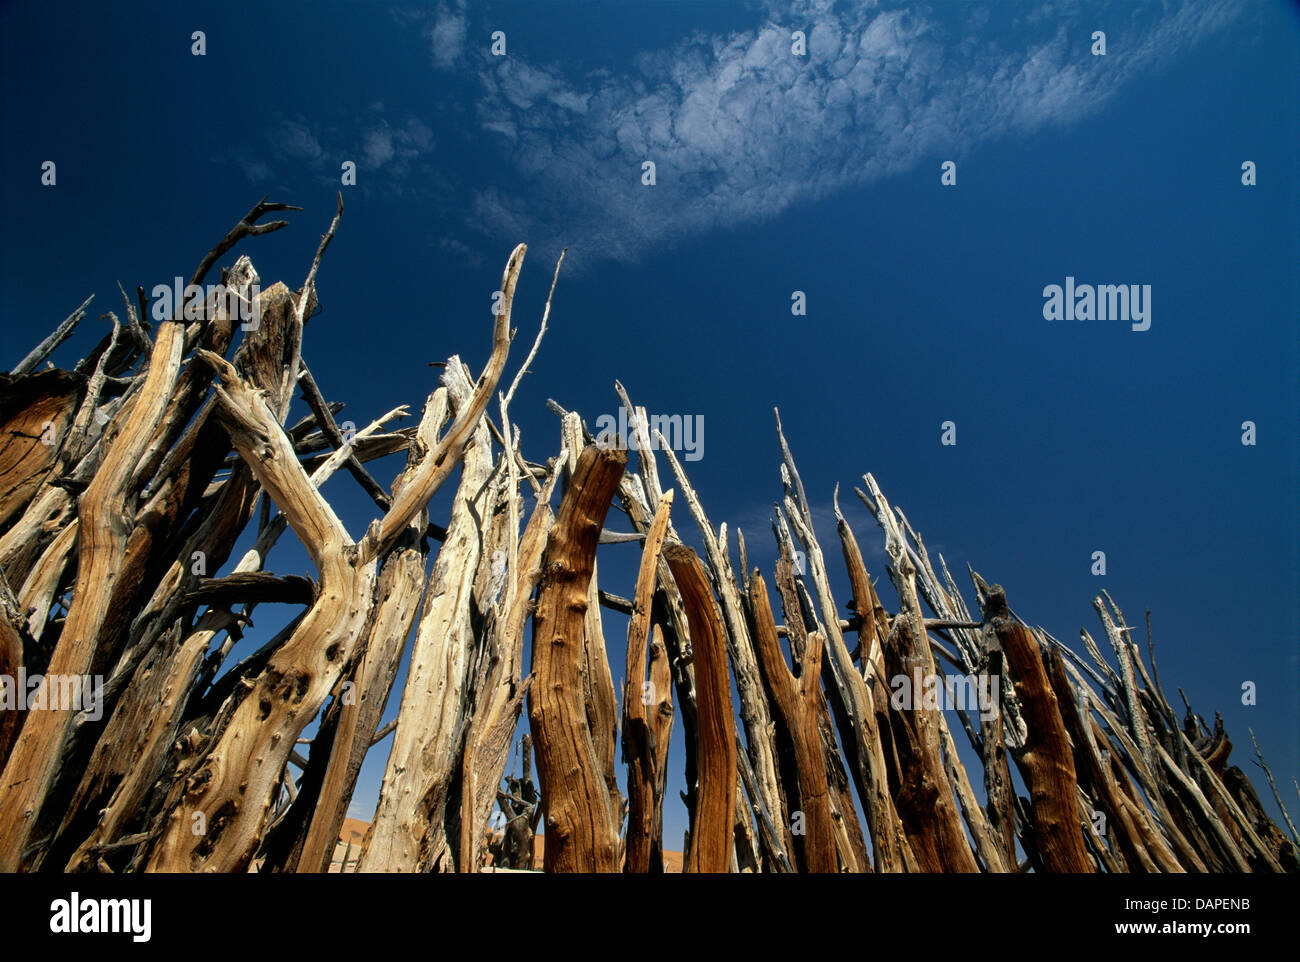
[797,702]
[425,755]
[581,834]
[1045,759]
[104,529]
[641,749]
[712,830]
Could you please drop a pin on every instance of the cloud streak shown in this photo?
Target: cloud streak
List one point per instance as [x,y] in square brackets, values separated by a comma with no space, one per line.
[447,35]
[741,129]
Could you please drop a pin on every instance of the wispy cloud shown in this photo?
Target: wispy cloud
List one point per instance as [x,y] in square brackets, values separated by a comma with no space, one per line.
[397,148]
[740,129]
[447,35]
[295,140]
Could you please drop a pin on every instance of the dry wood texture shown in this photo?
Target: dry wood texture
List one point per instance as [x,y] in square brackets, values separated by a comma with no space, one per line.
[710,849]
[128,479]
[581,831]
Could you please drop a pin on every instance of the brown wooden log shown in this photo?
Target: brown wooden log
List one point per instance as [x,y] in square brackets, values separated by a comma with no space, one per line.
[158,569]
[1143,850]
[155,572]
[1046,759]
[987,847]
[231,793]
[953,617]
[998,789]
[755,713]
[35,414]
[597,680]
[1282,848]
[797,702]
[1221,834]
[713,826]
[640,749]
[350,730]
[164,454]
[849,839]
[744,851]
[1209,824]
[51,511]
[46,579]
[11,659]
[858,710]
[637,494]
[581,834]
[104,528]
[926,805]
[1124,750]
[661,727]
[134,750]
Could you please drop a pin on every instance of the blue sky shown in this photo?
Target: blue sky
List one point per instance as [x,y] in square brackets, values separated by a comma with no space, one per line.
[774,174]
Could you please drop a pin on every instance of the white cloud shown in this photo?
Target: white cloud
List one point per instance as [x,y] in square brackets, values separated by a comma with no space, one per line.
[255,170]
[447,36]
[400,150]
[740,129]
[462,254]
[378,148]
[295,140]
